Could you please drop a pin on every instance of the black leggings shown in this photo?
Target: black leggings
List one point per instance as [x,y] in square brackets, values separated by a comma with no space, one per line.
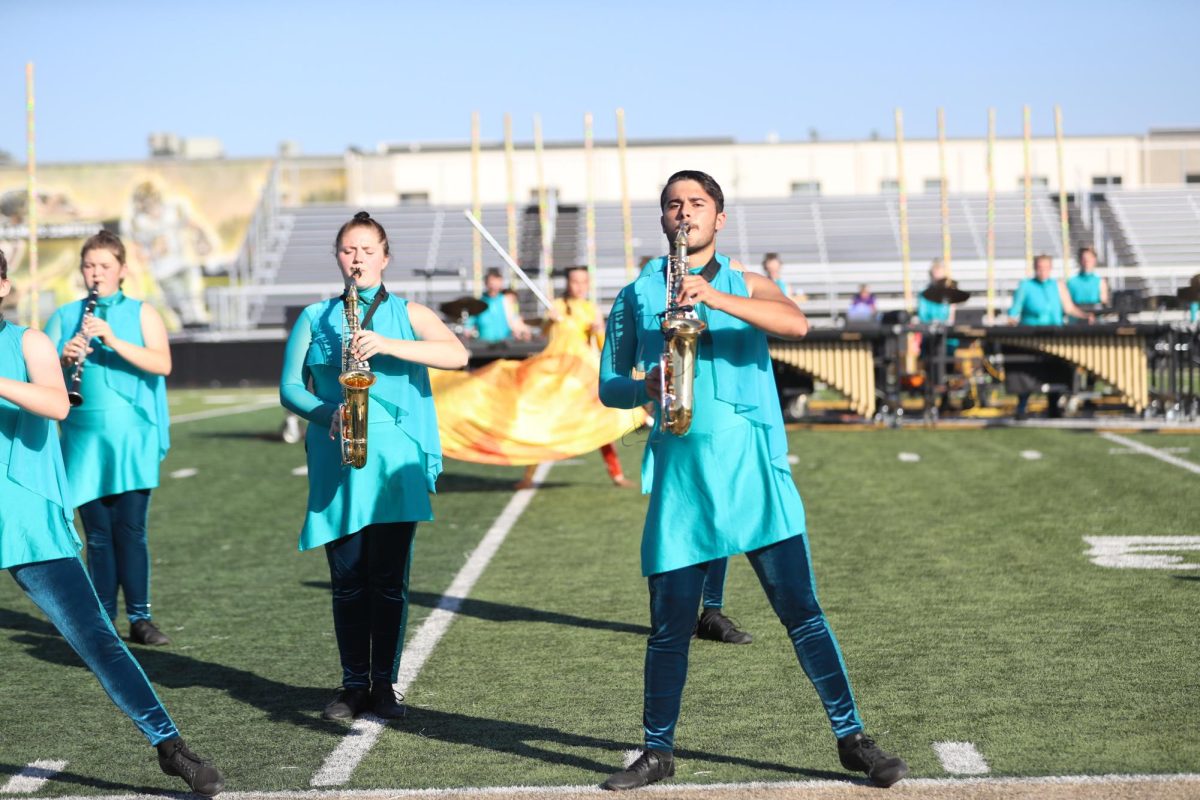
[368,571]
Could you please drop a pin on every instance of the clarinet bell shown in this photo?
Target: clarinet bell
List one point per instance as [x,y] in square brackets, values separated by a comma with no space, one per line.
[75,399]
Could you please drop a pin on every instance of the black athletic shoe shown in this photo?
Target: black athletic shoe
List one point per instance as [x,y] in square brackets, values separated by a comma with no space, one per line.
[859,753]
[174,758]
[716,627]
[145,632]
[385,703]
[348,704]
[651,766]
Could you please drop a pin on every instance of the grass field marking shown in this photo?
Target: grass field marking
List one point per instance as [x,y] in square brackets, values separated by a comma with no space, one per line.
[988,788]
[1129,552]
[1030,455]
[225,412]
[909,458]
[1150,451]
[32,777]
[358,741]
[186,472]
[960,758]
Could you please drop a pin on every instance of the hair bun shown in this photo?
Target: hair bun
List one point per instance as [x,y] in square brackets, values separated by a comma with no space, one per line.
[362,215]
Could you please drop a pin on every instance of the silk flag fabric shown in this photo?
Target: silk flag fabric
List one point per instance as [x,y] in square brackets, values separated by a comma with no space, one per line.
[542,408]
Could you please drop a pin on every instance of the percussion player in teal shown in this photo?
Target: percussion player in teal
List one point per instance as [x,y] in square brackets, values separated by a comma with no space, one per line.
[39,547]
[500,320]
[1040,301]
[366,518]
[929,311]
[1086,287]
[705,504]
[115,440]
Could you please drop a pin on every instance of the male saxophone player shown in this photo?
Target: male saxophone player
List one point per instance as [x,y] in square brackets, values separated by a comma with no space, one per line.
[724,487]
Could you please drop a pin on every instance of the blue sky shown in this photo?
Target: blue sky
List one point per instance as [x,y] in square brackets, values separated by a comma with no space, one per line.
[330,75]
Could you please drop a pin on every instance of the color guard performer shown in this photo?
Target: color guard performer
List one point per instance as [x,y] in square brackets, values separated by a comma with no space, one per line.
[366,518]
[39,546]
[707,505]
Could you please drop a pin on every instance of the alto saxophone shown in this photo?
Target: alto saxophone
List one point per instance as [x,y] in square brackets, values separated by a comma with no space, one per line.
[356,379]
[681,330]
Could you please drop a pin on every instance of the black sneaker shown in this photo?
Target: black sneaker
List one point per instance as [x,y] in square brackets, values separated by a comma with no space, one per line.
[716,627]
[385,703]
[651,766]
[145,632]
[174,758]
[348,704]
[859,753]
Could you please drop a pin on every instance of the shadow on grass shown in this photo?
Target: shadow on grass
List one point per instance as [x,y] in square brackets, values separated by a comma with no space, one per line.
[293,705]
[449,482]
[73,779]
[1186,577]
[262,436]
[502,612]
[521,739]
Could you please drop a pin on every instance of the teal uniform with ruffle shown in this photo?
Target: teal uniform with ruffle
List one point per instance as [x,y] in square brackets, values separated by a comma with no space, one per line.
[704,503]
[38,520]
[492,324]
[39,547]
[115,441]
[404,454]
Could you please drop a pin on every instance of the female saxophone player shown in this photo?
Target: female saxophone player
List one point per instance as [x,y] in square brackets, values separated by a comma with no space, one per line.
[366,518]
[39,547]
[114,441]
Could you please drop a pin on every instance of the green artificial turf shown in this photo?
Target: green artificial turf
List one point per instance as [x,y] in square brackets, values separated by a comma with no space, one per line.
[957,584]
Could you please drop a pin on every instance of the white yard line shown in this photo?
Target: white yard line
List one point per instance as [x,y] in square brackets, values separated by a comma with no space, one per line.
[1150,451]
[358,741]
[33,777]
[761,787]
[225,412]
[960,758]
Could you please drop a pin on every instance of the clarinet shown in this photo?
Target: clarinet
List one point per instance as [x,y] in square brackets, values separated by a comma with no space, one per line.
[89,308]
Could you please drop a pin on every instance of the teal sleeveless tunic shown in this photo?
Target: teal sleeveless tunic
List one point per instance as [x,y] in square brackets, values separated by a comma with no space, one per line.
[116,440]
[1037,303]
[492,324]
[726,486]
[404,455]
[36,515]
[1084,288]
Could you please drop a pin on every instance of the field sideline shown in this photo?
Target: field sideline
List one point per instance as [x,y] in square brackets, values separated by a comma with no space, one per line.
[953,566]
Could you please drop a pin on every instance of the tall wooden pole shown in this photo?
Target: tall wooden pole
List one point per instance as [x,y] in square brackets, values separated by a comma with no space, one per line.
[31,211]
[1028,197]
[626,211]
[991,214]
[590,221]
[543,206]
[1063,218]
[944,191]
[511,206]
[905,253]
[476,241]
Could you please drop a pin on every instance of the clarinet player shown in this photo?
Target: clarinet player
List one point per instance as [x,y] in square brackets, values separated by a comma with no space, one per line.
[705,505]
[114,440]
[366,518]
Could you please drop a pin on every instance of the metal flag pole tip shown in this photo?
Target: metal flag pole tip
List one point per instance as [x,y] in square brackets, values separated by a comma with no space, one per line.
[500,251]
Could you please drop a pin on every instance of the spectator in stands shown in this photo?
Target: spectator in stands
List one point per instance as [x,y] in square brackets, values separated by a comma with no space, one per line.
[366,519]
[773,269]
[502,319]
[40,549]
[1086,287]
[114,442]
[1040,300]
[862,306]
[929,311]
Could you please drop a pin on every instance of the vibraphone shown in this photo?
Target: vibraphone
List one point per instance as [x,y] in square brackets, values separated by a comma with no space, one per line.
[854,362]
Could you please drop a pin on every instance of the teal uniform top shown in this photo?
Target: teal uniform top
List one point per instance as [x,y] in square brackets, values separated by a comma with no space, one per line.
[929,311]
[492,324]
[36,515]
[725,487]
[1084,288]
[783,287]
[1037,303]
[404,453]
[115,441]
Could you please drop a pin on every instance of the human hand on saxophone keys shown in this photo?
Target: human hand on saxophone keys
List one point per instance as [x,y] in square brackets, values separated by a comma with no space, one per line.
[695,290]
[335,424]
[367,344]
